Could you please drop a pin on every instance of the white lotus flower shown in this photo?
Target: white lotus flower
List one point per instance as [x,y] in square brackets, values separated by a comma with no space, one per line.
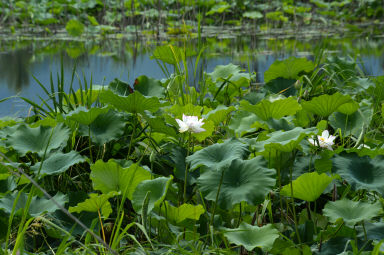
[190,123]
[324,140]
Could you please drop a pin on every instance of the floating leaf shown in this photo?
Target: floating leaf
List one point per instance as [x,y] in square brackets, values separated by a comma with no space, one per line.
[308,186]
[243,180]
[218,155]
[351,212]
[274,107]
[133,103]
[253,15]
[289,68]
[252,236]
[95,203]
[156,190]
[58,163]
[25,139]
[38,206]
[325,105]
[86,116]
[110,176]
[361,172]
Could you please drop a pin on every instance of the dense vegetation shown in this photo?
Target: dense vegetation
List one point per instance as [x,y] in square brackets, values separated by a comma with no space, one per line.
[291,167]
[182,16]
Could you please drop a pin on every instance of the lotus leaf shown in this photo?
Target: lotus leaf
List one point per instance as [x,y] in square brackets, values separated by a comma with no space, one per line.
[252,236]
[156,190]
[133,103]
[361,172]
[308,186]
[86,116]
[38,206]
[218,155]
[289,68]
[179,214]
[40,140]
[350,211]
[325,105]
[95,203]
[274,107]
[58,163]
[243,180]
[110,176]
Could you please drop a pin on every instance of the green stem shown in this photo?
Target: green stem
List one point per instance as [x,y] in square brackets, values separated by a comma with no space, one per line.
[186,170]
[293,204]
[132,136]
[90,143]
[217,198]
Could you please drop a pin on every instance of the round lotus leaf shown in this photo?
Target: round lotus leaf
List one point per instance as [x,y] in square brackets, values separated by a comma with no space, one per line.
[350,211]
[243,180]
[361,172]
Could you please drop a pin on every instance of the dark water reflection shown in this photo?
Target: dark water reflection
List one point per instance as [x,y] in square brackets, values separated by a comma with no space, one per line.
[102,61]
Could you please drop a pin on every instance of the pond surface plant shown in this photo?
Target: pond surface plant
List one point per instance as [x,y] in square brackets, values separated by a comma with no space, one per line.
[224,166]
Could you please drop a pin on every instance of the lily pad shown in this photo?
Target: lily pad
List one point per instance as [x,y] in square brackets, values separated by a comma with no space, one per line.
[86,116]
[179,214]
[95,203]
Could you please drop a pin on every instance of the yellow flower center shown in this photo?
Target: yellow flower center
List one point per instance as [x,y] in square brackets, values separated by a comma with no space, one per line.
[322,139]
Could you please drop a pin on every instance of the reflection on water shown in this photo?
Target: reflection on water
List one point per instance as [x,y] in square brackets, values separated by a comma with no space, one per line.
[14,69]
[102,61]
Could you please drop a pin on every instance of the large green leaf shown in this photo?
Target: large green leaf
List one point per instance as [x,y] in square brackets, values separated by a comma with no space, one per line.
[241,123]
[325,105]
[105,128]
[179,214]
[86,116]
[58,163]
[168,54]
[289,68]
[38,206]
[282,86]
[252,236]
[25,139]
[220,114]
[218,155]
[354,123]
[308,186]
[133,103]
[350,211]
[243,180]
[156,190]
[284,141]
[95,203]
[273,107]
[110,176]
[361,172]
[149,86]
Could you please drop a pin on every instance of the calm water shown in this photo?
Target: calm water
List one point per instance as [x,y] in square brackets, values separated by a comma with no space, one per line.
[126,60]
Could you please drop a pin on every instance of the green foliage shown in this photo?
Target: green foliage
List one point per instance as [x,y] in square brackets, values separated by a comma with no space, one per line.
[290,68]
[350,211]
[243,180]
[252,236]
[308,186]
[74,27]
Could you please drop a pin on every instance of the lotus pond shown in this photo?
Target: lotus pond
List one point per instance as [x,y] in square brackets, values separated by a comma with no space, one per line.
[191,145]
